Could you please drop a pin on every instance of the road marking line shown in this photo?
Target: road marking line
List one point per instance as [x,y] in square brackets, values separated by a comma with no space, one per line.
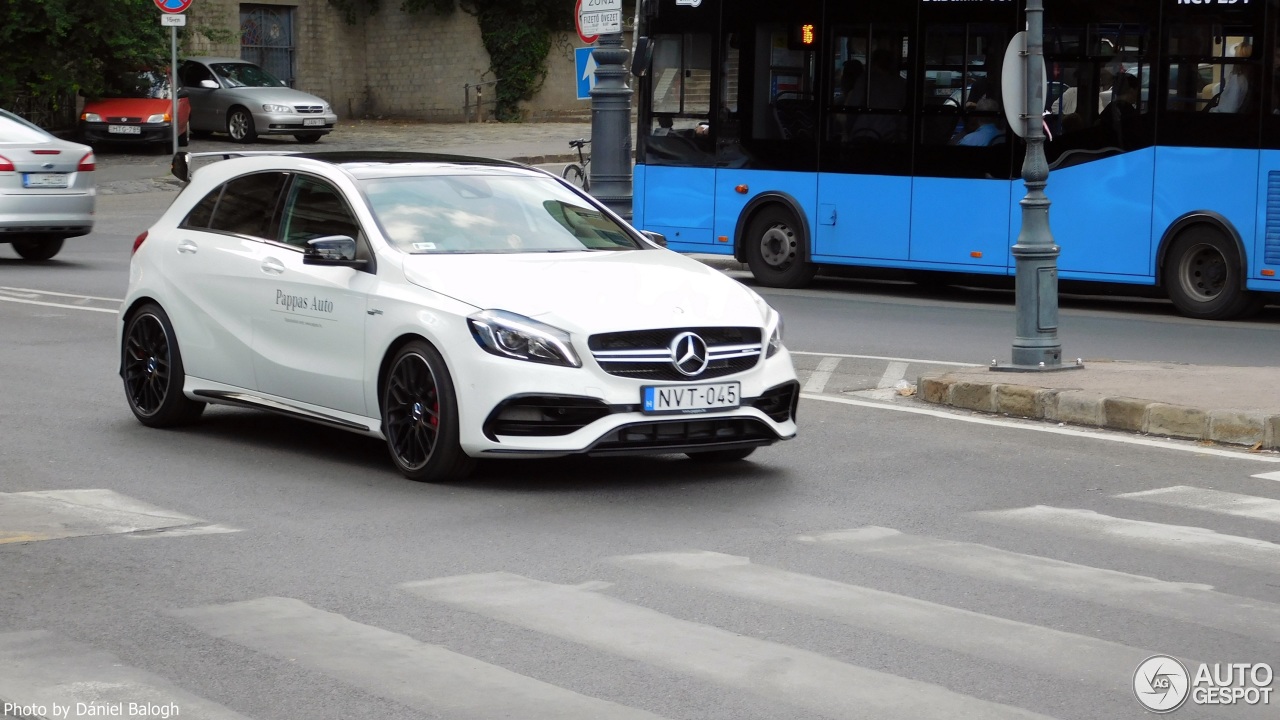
[428,678]
[1193,541]
[61,294]
[818,380]
[58,305]
[881,357]
[1214,501]
[56,514]
[1100,434]
[1185,602]
[1022,645]
[40,668]
[892,374]
[778,672]
[1267,476]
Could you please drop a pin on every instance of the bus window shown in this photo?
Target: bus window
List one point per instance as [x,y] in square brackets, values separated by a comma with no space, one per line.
[961,102]
[681,99]
[1211,68]
[870,102]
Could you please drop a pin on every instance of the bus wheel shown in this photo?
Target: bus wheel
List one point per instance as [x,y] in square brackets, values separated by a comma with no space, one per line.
[774,247]
[1202,276]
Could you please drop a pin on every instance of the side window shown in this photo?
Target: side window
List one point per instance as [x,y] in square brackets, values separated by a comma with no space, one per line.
[1211,68]
[202,213]
[190,74]
[315,209]
[1100,84]
[869,100]
[681,94]
[248,205]
[962,104]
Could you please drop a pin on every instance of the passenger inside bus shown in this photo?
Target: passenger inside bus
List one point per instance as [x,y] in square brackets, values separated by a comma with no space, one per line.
[983,126]
[1121,117]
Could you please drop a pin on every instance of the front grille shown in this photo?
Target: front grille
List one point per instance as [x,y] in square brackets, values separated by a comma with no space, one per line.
[779,402]
[543,415]
[646,354]
[680,435]
[124,119]
[309,108]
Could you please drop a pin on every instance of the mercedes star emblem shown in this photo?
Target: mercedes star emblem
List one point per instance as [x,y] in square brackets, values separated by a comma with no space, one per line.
[689,354]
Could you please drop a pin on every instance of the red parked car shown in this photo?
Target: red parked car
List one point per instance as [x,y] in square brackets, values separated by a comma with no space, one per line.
[135,108]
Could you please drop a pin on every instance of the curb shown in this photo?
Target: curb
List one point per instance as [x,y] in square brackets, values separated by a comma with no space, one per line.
[1078,407]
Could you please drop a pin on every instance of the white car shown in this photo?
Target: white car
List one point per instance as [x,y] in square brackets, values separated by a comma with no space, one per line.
[459,308]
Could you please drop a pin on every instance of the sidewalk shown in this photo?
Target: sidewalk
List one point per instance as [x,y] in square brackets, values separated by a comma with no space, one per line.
[1234,405]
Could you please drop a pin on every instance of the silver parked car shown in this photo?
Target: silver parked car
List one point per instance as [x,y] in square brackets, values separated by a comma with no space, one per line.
[46,188]
[243,100]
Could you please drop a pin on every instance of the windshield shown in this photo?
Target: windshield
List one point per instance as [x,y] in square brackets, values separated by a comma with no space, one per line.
[245,75]
[144,84]
[474,214]
[14,129]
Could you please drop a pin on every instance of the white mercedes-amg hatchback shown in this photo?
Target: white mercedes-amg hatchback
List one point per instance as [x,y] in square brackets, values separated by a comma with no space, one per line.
[457,307]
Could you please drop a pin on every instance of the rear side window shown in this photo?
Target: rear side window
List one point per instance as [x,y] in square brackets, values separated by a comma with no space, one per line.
[248,205]
[202,213]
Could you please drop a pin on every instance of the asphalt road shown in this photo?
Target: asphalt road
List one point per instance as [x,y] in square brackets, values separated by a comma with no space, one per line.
[282,570]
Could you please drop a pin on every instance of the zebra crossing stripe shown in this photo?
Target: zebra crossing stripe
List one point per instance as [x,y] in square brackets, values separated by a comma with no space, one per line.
[56,514]
[1187,602]
[428,678]
[1022,645]
[1214,501]
[1201,543]
[817,382]
[39,669]
[778,672]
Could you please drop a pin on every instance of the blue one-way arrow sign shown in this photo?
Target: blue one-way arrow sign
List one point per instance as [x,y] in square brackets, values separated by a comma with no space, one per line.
[585,71]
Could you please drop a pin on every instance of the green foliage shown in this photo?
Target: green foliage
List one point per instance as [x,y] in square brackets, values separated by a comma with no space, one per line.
[517,33]
[53,48]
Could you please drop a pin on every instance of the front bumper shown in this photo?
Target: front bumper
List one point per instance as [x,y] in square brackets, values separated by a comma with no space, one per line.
[100,132]
[292,123]
[604,414]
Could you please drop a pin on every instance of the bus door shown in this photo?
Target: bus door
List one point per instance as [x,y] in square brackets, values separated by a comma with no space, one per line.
[766,123]
[962,196]
[675,171]
[1104,91]
[864,183]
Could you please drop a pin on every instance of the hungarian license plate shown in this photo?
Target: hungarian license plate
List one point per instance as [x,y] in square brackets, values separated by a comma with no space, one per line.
[44,180]
[313,122]
[690,398]
[124,129]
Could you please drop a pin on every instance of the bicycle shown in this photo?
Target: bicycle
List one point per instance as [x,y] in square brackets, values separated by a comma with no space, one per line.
[577,173]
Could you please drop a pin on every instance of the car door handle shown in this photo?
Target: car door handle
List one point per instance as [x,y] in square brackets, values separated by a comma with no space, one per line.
[186,246]
[272,266]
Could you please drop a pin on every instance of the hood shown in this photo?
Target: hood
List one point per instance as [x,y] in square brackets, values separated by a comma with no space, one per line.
[275,95]
[128,107]
[590,292]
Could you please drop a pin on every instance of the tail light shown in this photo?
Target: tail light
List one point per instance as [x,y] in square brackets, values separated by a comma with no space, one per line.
[86,162]
[137,243]
[5,165]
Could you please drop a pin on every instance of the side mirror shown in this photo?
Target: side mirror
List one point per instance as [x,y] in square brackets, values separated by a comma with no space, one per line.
[333,250]
[182,92]
[210,84]
[180,167]
[657,238]
[643,56]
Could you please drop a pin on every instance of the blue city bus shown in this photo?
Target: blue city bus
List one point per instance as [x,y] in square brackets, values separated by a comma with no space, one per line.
[807,133]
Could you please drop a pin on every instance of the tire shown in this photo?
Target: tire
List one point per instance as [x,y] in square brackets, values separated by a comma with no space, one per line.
[37,250]
[1202,276]
[153,372]
[240,126]
[574,174]
[775,246]
[185,138]
[308,137]
[420,416]
[721,456]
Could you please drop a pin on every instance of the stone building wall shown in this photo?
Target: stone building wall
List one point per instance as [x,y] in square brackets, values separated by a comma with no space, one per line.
[393,64]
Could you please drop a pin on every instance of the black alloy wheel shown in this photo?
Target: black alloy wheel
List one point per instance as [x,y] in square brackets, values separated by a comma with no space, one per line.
[775,249]
[153,372]
[420,416]
[34,249]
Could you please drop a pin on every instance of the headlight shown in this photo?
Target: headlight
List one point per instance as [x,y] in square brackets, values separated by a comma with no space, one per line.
[158,118]
[515,336]
[276,108]
[327,110]
[775,337]
[91,117]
